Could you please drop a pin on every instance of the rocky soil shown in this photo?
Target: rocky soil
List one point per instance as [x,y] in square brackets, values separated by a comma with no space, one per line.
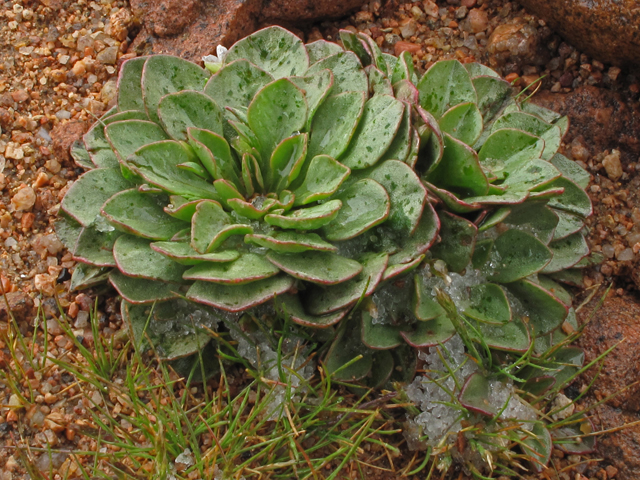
[58,62]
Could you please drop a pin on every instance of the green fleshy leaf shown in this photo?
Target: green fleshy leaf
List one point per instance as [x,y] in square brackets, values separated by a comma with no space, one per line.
[400,269]
[158,164]
[87,276]
[184,254]
[322,49]
[376,130]
[545,312]
[406,92]
[432,140]
[401,145]
[343,350]
[275,113]
[535,218]
[227,190]
[326,268]
[407,194]
[130,85]
[164,74]
[86,196]
[316,88]
[96,247]
[474,395]
[141,214]
[67,230]
[573,200]
[445,85]
[463,122]
[291,242]
[571,170]
[215,154]
[236,298]
[273,49]
[286,161]
[430,333]
[476,69]
[482,253]
[568,224]
[365,204]
[557,290]
[492,93]
[507,149]
[324,177]
[512,198]
[99,149]
[377,57]
[509,337]
[351,42]
[331,133]
[425,305]
[534,125]
[135,258]
[211,226]
[515,255]
[180,208]
[175,318]
[403,69]
[452,202]
[291,305]
[458,241]
[249,210]
[379,83]
[494,218]
[82,158]
[320,301]
[236,84]
[127,136]
[572,440]
[567,252]
[421,240]
[488,303]
[249,267]
[309,218]
[348,74]
[538,446]
[141,290]
[189,109]
[459,170]
[379,336]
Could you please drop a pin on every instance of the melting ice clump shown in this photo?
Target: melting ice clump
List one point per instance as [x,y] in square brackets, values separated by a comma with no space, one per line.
[259,351]
[435,394]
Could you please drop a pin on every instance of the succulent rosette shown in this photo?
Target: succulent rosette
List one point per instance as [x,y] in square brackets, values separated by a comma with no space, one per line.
[327,178]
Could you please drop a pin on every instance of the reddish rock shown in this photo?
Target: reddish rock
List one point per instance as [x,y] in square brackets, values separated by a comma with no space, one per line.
[618,319]
[609,30]
[20,305]
[64,134]
[217,23]
[401,46]
[622,447]
[306,10]
[194,28]
[518,43]
[604,119]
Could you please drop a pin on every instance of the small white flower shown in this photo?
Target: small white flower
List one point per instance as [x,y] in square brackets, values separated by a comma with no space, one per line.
[213,63]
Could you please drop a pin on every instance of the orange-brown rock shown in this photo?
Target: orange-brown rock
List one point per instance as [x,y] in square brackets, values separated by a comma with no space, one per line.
[609,30]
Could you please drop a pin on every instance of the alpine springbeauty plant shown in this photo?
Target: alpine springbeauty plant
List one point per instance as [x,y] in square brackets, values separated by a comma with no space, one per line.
[384,209]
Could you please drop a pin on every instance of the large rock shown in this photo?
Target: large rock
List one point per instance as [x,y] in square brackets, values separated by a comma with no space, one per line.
[194,28]
[616,322]
[609,30]
[600,118]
